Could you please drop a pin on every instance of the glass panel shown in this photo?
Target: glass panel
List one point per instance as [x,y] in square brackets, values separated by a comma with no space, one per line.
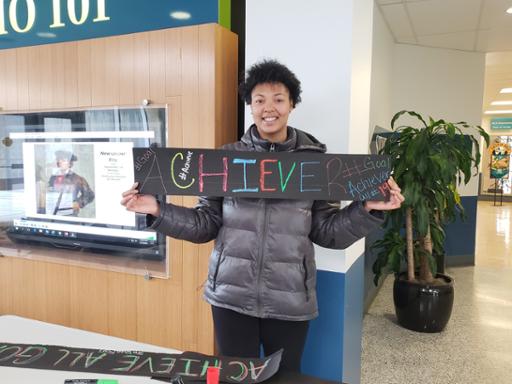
[61,178]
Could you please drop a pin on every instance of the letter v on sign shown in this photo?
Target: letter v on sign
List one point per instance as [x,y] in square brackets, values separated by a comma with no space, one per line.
[283,186]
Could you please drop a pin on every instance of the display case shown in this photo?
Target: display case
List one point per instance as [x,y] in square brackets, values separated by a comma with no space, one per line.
[61,178]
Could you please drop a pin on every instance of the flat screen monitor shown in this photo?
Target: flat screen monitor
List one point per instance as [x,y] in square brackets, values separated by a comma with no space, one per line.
[62,174]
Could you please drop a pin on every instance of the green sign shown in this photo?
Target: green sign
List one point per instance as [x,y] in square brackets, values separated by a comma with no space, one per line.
[501,123]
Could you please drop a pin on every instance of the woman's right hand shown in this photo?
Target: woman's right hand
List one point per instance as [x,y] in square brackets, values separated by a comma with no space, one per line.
[133,201]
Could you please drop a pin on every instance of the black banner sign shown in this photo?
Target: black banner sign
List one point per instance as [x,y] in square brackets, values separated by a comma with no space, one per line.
[190,366]
[277,175]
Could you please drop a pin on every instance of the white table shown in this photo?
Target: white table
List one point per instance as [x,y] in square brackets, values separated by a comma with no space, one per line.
[14,329]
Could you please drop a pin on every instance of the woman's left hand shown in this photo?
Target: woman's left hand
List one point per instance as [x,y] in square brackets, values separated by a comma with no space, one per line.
[394,202]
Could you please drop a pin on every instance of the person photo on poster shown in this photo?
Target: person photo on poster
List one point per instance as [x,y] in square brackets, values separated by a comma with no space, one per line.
[68,192]
[261,279]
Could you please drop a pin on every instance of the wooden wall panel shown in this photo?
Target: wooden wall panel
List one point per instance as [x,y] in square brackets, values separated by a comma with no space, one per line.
[8,91]
[70,75]
[159,313]
[190,99]
[6,286]
[22,78]
[58,295]
[206,76]
[34,78]
[55,88]
[141,67]
[98,73]
[179,68]
[122,305]
[45,72]
[173,65]
[157,65]
[112,81]
[126,71]
[3,79]
[89,293]
[85,60]
[226,97]
[29,288]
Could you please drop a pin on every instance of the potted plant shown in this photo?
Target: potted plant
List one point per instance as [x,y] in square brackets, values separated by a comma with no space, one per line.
[428,163]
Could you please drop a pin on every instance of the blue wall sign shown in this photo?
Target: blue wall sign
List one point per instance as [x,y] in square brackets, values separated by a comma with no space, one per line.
[34,22]
[501,123]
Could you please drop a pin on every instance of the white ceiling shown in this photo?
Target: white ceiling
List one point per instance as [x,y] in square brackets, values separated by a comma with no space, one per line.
[466,25]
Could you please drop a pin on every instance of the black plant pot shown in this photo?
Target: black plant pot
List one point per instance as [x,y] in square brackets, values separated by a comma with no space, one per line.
[423,308]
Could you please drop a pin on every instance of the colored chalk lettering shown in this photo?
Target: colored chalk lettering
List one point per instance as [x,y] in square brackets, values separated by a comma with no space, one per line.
[7,357]
[252,174]
[188,368]
[26,356]
[136,363]
[65,354]
[334,176]
[243,371]
[168,364]
[78,357]
[280,166]
[256,371]
[303,176]
[207,364]
[264,172]
[145,362]
[203,174]
[180,155]
[90,359]
[130,362]
[244,162]
[154,176]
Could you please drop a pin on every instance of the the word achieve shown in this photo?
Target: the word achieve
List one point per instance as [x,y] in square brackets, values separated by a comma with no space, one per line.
[188,365]
[277,175]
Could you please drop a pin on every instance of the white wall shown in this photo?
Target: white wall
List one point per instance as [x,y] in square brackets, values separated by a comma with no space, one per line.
[306,37]
[441,83]
[327,43]
[382,73]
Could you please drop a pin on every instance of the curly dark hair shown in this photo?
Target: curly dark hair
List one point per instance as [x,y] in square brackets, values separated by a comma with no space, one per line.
[270,71]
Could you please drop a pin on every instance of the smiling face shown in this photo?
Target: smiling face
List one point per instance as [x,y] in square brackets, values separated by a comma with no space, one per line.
[270,108]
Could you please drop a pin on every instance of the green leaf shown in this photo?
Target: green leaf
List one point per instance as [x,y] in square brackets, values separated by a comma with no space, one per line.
[428,161]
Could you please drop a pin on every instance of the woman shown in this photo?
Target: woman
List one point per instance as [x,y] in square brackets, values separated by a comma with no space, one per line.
[262,275]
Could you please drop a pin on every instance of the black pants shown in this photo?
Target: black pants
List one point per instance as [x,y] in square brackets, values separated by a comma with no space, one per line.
[241,336]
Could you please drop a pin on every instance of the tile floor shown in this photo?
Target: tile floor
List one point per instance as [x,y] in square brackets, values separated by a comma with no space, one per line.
[476,346]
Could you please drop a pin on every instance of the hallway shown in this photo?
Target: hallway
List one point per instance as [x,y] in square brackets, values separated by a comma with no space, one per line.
[476,346]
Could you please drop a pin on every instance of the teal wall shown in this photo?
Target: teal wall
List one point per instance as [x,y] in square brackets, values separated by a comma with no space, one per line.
[50,21]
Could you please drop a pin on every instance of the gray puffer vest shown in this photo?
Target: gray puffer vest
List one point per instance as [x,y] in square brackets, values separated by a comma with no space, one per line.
[263,262]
